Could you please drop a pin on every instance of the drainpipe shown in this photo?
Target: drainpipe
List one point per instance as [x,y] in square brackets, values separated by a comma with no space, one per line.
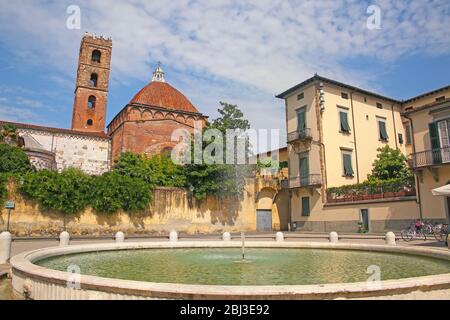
[416,178]
[395,128]
[354,138]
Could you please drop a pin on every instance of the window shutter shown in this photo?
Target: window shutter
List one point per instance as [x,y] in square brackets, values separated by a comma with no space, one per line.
[304,170]
[400,138]
[301,120]
[408,134]
[306,210]
[348,169]
[383,132]
[435,143]
[344,122]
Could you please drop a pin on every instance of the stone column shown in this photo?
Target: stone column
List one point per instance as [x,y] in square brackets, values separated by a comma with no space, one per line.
[64,239]
[226,236]
[334,237]
[5,247]
[279,237]
[390,239]
[120,237]
[173,237]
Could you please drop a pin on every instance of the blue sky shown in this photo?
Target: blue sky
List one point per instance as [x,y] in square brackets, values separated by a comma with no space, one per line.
[242,52]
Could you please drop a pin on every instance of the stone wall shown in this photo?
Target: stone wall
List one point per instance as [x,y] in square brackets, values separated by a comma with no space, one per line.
[171,209]
[86,152]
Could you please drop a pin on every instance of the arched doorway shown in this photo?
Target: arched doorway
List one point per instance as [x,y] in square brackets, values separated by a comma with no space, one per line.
[264,210]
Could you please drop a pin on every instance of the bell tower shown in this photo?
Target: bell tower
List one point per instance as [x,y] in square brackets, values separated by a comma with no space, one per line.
[91,92]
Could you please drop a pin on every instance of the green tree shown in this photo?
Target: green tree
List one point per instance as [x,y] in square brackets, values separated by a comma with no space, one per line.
[113,192]
[13,160]
[221,179]
[158,170]
[8,134]
[390,164]
[68,192]
[3,189]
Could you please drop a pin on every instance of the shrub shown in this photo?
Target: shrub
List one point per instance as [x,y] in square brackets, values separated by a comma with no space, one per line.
[68,192]
[158,170]
[113,192]
[3,189]
[13,160]
[390,164]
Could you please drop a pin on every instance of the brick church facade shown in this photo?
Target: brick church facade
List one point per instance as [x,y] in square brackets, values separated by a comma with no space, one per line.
[144,126]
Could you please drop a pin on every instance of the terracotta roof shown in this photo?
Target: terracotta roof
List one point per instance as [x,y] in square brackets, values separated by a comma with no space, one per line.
[56,130]
[162,94]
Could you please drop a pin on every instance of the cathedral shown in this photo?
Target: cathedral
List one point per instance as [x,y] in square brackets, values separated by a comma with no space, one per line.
[143,126]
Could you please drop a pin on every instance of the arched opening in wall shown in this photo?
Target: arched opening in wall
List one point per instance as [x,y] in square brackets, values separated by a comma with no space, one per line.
[91,102]
[167,151]
[90,122]
[96,56]
[264,210]
[94,80]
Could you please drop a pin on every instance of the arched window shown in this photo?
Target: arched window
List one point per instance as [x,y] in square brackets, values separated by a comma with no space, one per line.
[91,102]
[96,56]
[90,122]
[167,151]
[94,80]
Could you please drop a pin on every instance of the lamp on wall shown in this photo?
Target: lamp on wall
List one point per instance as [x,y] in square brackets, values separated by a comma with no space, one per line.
[321,97]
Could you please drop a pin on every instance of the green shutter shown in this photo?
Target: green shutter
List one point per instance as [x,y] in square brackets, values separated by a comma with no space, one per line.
[304,170]
[306,210]
[348,169]
[383,132]
[400,138]
[435,143]
[301,120]
[408,134]
[344,122]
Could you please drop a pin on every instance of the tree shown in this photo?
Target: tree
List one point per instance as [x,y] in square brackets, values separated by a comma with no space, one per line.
[390,164]
[113,192]
[8,134]
[13,160]
[220,179]
[68,192]
[158,170]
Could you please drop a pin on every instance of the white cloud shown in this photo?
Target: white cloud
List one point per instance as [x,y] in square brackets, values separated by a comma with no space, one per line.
[256,47]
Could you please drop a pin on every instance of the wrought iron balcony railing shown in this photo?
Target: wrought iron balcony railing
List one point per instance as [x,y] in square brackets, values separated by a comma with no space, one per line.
[430,157]
[304,134]
[311,180]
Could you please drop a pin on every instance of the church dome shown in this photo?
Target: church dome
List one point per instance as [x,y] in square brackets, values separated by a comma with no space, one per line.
[158,93]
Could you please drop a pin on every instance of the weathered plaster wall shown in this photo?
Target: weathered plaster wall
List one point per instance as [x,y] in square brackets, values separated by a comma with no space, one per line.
[171,209]
[88,153]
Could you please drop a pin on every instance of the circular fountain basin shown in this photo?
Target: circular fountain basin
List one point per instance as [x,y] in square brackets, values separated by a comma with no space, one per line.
[207,270]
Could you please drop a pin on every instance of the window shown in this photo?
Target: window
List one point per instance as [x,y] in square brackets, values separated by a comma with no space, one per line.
[90,122]
[96,56]
[344,95]
[91,102]
[94,80]
[301,120]
[408,134]
[167,151]
[382,128]
[301,96]
[365,99]
[440,99]
[306,210]
[379,105]
[400,138]
[347,164]
[345,127]
[304,169]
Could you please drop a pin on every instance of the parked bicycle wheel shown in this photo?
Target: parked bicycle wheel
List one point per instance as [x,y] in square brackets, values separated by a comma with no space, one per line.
[408,234]
[438,233]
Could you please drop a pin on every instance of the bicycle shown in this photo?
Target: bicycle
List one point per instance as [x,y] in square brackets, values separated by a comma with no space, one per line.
[412,232]
[441,232]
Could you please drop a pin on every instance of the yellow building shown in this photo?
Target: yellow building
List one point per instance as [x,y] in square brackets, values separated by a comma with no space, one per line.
[334,131]
[427,118]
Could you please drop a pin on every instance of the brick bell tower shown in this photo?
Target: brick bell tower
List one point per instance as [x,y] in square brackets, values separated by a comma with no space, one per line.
[91,93]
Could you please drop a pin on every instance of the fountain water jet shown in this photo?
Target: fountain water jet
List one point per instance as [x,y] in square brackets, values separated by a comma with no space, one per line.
[243,260]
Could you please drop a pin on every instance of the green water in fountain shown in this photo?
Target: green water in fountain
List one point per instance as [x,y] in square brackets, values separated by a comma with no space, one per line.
[269,267]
